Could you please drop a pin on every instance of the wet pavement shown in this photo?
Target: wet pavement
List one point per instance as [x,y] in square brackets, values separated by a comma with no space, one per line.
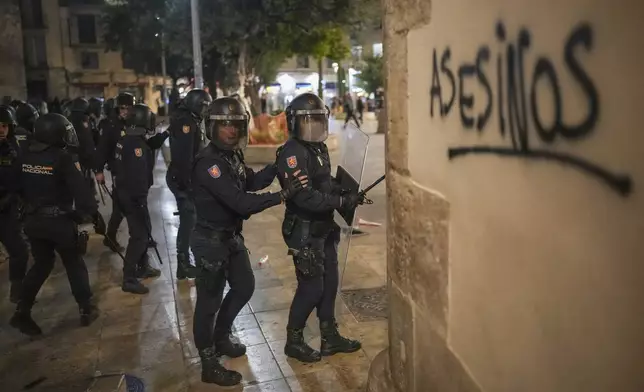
[150,337]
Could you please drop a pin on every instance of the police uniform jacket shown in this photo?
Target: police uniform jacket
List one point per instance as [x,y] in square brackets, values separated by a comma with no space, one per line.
[317,201]
[134,161]
[221,182]
[21,136]
[185,142]
[112,129]
[86,147]
[51,177]
[9,172]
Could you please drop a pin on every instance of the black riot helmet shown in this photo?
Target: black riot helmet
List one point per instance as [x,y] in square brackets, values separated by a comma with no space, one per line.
[54,129]
[26,116]
[95,107]
[80,105]
[15,103]
[8,117]
[227,124]
[108,106]
[125,99]
[67,108]
[197,102]
[140,116]
[307,118]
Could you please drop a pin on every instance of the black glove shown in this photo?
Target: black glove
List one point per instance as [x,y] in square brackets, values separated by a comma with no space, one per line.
[352,200]
[293,185]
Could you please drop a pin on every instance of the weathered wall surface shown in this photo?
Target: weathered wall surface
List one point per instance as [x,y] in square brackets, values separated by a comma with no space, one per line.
[516,217]
[12,68]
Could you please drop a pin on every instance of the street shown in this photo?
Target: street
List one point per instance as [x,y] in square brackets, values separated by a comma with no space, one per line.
[150,337]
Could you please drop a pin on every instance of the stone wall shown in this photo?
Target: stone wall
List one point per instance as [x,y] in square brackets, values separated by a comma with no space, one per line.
[12,68]
[515,225]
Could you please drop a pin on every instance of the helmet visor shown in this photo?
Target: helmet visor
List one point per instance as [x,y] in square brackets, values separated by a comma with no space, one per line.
[229,132]
[312,125]
[70,138]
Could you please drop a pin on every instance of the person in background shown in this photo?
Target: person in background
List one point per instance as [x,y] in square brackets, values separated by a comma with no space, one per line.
[360,108]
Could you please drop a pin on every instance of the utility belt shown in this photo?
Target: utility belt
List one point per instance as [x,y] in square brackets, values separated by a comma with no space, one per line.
[307,228]
[309,254]
[221,233]
[48,212]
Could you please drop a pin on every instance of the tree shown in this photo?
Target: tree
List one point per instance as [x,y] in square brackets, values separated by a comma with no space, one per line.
[372,76]
[322,42]
[245,38]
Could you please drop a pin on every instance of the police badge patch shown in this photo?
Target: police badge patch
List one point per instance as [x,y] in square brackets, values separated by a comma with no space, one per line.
[186,129]
[138,152]
[292,161]
[214,171]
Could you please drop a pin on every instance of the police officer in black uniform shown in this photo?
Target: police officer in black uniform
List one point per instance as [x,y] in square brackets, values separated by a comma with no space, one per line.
[186,135]
[57,201]
[79,117]
[10,229]
[222,184]
[95,110]
[108,114]
[134,161]
[111,131]
[309,230]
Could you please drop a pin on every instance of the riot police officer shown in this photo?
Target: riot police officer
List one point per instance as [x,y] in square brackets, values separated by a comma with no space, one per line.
[94,111]
[56,199]
[10,229]
[79,117]
[309,230]
[185,142]
[134,161]
[222,186]
[108,114]
[112,130]
[26,116]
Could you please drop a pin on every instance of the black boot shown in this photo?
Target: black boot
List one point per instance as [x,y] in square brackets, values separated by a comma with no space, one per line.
[184,269]
[113,244]
[134,286]
[333,342]
[229,345]
[88,314]
[145,270]
[212,372]
[14,292]
[22,320]
[297,348]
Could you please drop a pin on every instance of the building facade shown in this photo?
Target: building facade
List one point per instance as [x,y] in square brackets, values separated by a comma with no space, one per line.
[12,70]
[65,55]
[514,167]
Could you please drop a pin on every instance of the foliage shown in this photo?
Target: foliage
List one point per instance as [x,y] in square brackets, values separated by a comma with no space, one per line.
[372,76]
[243,41]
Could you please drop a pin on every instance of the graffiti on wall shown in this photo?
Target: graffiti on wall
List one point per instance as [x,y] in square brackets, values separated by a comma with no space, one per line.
[514,100]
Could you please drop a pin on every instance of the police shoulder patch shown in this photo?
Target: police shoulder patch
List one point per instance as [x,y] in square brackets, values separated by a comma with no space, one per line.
[186,129]
[77,166]
[214,171]
[292,161]
[138,152]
